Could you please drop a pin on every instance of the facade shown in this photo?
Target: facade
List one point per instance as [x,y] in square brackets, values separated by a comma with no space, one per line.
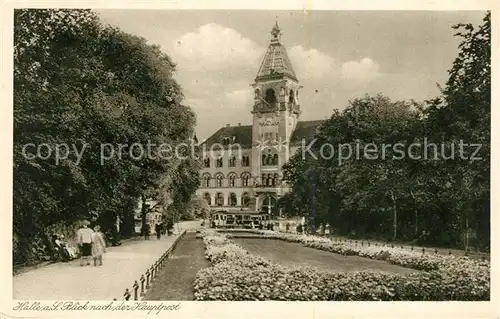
[241,177]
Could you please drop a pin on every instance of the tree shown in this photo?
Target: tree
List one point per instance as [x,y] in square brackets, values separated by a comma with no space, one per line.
[93,88]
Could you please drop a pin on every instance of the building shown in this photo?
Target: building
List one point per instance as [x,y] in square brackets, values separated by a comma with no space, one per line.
[241,177]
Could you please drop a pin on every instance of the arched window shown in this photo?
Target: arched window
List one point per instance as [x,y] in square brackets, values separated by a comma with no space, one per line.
[275,179]
[219,162]
[257,93]
[264,180]
[219,199]
[291,96]
[232,161]
[232,180]
[207,198]
[206,161]
[275,159]
[270,96]
[264,160]
[245,200]
[232,199]
[245,161]
[219,180]
[270,180]
[268,204]
[269,159]
[206,180]
[245,179]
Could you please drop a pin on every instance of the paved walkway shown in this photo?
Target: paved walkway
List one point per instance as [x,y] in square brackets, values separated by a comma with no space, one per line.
[122,265]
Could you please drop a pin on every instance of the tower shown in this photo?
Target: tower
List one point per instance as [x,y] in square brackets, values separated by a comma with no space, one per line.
[275,110]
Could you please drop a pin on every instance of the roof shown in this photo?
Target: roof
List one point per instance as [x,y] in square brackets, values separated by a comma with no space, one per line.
[304,130]
[243,134]
[276,62]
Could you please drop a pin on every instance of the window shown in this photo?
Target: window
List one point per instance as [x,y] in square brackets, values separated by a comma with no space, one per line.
[245,161]
[219,199]
[264,159]
[268,204]
[206,161]
[275,159]
[269,160]
[206,180]
[232,180]
[245,179]
[219,162]
[232,161]
[291,97]
[232,199]
[275,180]
[270,96]
[264,180]
[245,200]
[269,180]
[219,180]
[207,198]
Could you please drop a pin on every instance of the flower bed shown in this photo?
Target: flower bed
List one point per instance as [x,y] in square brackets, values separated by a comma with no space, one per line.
[396,255]
[237,275]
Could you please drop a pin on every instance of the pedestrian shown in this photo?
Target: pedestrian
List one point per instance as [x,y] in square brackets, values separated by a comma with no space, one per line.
[147,230]
[98,245]
[84,235]
[158,229]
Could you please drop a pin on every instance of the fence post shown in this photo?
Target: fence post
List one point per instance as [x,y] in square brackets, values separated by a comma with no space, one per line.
[127,294]
[136,288]
[142,284]
[435,251]
[423,250]
[147,279]
[152,273]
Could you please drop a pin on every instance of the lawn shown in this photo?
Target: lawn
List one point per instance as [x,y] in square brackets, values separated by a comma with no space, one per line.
[175,280]
[295,254]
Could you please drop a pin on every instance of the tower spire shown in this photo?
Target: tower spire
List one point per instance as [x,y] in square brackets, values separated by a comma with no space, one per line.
[276,32]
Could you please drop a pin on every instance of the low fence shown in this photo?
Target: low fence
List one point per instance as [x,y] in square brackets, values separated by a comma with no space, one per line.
[138,290]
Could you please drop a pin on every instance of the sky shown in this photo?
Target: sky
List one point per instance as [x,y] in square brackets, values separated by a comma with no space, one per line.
[337,55]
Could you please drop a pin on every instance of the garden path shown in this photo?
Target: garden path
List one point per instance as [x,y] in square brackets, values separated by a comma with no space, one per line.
[122,265]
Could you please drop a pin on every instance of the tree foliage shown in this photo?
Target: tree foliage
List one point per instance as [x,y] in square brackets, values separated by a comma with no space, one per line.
[83,84]
[425,199]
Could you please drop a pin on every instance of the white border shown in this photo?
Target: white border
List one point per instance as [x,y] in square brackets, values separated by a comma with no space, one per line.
[248,309]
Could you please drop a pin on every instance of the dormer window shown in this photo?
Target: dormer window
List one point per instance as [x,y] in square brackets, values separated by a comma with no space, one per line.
[225,141]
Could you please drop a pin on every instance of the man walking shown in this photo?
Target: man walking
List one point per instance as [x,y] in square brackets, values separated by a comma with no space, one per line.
[158,230]
[84,236]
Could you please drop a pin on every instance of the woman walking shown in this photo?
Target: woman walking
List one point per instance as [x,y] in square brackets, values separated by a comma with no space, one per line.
[98,245]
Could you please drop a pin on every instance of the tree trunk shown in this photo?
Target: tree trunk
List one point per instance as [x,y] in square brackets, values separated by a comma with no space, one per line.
[416,213]
[144,211]
[466,233]
[395,217]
